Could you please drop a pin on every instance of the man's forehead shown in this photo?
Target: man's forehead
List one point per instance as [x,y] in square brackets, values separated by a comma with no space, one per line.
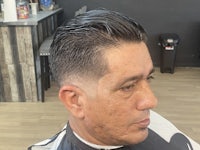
[128,60]
[127,54]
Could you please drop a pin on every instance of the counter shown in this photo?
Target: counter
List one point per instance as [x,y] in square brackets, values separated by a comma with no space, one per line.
[33,19]
[20,62]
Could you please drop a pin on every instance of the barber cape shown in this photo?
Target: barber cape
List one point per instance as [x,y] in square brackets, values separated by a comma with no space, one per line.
[163,135]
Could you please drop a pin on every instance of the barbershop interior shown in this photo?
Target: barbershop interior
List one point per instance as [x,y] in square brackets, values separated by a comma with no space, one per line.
[30,110]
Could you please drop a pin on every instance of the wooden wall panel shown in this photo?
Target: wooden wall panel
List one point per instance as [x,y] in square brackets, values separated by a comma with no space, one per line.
[26,62]
[20,64]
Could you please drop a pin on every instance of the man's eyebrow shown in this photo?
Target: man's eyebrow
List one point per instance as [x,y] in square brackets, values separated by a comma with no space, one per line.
[134,78]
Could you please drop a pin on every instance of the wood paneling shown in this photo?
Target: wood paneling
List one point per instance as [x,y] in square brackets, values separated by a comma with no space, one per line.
[20,65]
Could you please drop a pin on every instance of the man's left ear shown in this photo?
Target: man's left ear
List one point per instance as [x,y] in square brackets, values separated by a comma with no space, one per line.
[72,98]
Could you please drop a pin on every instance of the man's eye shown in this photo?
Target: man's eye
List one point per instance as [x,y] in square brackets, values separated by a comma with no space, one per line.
[149,78]
[128,88]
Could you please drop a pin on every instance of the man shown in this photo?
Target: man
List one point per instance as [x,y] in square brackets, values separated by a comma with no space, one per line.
[102,65]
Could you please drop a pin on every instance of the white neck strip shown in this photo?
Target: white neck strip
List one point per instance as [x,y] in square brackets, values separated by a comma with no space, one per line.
[94,145]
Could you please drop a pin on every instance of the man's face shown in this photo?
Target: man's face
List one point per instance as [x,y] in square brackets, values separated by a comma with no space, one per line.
[117,111]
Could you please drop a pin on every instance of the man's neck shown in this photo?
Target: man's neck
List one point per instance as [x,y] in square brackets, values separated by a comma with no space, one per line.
[96,146]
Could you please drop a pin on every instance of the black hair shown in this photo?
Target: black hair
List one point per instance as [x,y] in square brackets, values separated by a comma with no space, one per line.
[79,45]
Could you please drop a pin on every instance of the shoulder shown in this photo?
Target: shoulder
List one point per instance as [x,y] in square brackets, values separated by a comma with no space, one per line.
[166,132]
[50,143]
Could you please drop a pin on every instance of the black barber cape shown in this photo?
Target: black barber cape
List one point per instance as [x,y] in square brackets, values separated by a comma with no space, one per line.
[66,140]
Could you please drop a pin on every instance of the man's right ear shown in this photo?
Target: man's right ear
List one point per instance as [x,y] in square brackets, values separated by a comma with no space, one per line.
[72,98]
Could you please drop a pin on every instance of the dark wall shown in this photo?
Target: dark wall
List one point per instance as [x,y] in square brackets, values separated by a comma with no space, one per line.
[156,16]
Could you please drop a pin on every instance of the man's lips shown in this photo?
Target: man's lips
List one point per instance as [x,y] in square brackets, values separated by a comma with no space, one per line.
[143,123]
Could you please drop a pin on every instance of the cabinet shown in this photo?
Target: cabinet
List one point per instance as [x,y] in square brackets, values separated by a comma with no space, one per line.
[20,62]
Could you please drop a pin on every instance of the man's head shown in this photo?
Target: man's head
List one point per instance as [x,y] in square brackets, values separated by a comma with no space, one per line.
[82,42]
[102,64]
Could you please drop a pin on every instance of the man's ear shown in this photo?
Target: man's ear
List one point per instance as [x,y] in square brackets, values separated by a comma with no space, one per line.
[72,97]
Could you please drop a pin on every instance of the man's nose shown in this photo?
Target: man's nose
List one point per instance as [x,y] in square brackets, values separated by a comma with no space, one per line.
[146,98]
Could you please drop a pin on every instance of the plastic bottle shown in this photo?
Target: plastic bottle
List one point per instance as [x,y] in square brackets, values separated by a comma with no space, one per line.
[46,4]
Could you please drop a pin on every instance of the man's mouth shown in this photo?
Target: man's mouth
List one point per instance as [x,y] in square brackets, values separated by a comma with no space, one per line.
[144,123]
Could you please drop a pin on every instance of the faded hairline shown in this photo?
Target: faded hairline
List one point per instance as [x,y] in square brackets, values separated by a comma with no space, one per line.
[79,77]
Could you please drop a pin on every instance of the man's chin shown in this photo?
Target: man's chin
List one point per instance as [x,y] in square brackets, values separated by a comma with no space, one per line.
[145,134]
[142,135]
[136,138]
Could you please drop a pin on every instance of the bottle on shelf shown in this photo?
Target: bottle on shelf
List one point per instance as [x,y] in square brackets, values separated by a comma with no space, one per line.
[22,9]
